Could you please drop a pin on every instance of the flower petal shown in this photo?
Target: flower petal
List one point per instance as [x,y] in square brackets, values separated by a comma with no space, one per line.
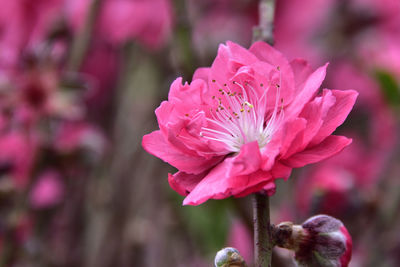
[202,74]
[291,131]
[183,183]
[281,170]
[337,114]
[156,144]
[270,55]
[329,147]
[301,70]
[307,92]
[229,59]
[313,113]
[231,177]
[217,186]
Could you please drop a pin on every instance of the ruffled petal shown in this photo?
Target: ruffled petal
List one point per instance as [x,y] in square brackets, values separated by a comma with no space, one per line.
[313,113]
[307,92]
[188,96]
[337,114]
[229,59]
[183,183]
[281,170]
[217,186]
[246,162]
[291,130]
[329,147]
[268,54]
[156,144]
[301,70]
[230,177]
[202,74]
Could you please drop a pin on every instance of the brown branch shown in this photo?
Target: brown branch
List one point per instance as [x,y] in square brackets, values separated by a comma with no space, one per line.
[264,31]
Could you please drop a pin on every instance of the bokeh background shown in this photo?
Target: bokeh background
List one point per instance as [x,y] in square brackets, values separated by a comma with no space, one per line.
[79,82]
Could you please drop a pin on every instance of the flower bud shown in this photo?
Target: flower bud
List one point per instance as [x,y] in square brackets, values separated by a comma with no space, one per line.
[321,241]
[229,257]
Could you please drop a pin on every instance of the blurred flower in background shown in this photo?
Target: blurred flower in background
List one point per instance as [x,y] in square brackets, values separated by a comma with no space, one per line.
[51,85]
[79,81]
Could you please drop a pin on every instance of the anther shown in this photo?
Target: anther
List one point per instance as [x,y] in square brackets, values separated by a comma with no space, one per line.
[248,104]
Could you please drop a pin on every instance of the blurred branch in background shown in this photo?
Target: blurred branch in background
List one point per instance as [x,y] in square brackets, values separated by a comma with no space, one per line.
[82,39]
[264,30]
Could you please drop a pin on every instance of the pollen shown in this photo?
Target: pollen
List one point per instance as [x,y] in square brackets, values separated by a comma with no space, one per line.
[248,104]
[257,121]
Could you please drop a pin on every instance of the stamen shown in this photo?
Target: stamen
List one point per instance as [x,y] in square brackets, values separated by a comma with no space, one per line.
[240,117]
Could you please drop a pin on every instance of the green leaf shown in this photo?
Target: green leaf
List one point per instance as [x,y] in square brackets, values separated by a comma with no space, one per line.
[389,86]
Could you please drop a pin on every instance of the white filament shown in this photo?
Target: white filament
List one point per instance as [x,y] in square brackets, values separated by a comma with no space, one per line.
[244,119]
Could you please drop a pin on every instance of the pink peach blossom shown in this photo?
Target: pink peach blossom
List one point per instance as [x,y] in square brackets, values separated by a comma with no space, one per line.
[18,152]
[47,191]
[382,52]
[24,23]
[38,95]
[73,136]
[323,30]
[247,120]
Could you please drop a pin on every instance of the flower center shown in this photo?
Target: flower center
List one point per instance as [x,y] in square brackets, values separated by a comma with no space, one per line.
[243,117]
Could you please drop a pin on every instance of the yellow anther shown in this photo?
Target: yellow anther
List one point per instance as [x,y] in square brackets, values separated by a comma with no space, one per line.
[248,104]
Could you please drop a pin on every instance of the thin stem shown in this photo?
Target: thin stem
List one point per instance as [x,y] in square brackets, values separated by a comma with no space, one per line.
[264,31]
[263,242]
